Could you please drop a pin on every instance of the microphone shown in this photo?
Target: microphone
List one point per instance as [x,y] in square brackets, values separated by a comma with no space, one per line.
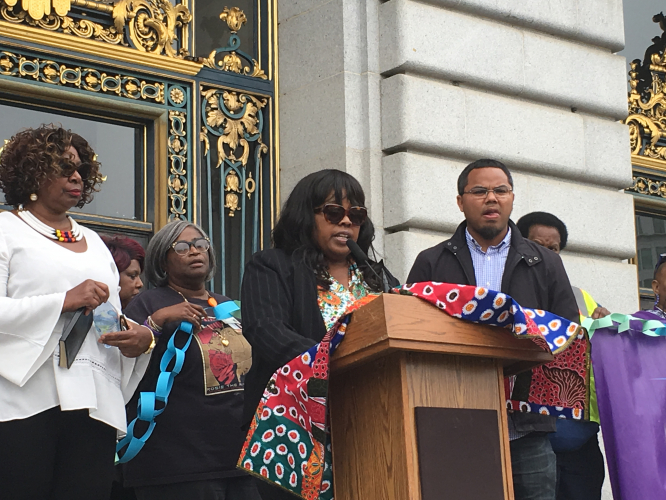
[359,256]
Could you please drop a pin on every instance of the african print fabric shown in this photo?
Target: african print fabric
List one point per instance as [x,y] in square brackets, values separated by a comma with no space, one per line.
[559,388]
[289,442]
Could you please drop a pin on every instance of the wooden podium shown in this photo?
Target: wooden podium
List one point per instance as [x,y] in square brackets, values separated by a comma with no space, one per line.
[417,404]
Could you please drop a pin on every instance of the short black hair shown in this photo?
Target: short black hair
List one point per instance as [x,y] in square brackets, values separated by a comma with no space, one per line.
[485,163]
[543,219]
[661,260]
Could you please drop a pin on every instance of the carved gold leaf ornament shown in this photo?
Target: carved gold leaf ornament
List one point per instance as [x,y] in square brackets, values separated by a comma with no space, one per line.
[257,72]
[647,104]
[232,143]
[38,9]
[234,17]
[151,26]
[232,182]
[231,61]
[89,79]
[176,145]
[647,117]
[203,137]
[131,87]
[232,101]
[231,187]
[235,130]
[236,119]
[50,72]
[82,28]
[6,63]
[178,188]
[61,7]
[177,95]
[231,202]
[651,187]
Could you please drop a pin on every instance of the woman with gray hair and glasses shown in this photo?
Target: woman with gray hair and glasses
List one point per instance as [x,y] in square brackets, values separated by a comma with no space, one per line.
[197,440]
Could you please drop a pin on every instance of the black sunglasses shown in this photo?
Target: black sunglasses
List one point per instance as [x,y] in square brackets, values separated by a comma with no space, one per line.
[82,168]
[335,213]
[182,247]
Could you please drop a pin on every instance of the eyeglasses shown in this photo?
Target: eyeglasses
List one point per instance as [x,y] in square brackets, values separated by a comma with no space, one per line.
[335,213]
[481,193]
[182,247]
[83,169]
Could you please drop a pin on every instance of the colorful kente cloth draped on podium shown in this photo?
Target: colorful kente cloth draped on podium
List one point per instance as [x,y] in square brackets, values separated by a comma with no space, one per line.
[559,388]
[288,442]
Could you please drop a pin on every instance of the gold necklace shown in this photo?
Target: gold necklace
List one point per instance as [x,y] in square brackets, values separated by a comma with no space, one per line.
[211,300]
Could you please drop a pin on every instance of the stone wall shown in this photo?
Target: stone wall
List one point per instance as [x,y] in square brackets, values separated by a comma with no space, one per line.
[404,94]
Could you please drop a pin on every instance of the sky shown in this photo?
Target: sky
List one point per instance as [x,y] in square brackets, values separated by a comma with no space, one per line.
[639,28]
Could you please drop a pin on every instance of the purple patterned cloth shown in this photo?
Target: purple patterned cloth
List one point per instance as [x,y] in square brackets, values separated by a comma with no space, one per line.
[630,374]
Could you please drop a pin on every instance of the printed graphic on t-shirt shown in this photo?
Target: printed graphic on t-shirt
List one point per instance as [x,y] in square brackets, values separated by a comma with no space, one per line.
[227,356]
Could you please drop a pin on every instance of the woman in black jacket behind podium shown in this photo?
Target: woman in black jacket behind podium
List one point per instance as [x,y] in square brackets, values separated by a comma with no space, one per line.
[285,289]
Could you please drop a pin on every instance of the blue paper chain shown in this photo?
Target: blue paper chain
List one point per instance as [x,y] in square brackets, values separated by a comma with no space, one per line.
[146,406]
[651,327]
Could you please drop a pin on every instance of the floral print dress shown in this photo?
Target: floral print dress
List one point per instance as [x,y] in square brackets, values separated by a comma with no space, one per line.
[334,302]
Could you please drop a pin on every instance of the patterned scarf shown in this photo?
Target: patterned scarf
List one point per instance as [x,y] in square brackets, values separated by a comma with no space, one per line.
[288,443]
[559,388]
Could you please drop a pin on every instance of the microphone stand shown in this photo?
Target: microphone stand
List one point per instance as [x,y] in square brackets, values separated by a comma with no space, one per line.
[360,256]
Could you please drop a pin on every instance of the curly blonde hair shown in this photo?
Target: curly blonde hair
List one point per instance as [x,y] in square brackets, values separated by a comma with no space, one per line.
[36,155]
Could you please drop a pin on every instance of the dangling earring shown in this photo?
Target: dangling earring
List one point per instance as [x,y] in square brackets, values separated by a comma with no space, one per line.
[33,197]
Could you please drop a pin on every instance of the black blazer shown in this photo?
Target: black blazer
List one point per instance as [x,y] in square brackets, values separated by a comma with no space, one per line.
[533,275]
[281,317]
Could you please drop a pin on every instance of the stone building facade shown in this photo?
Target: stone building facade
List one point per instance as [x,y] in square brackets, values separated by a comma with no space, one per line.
[404,94]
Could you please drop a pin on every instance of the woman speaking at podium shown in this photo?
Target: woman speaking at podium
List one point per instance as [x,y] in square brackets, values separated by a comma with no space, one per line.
[293,293]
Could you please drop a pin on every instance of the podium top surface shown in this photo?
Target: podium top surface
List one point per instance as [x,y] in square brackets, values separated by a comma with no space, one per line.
[393,323]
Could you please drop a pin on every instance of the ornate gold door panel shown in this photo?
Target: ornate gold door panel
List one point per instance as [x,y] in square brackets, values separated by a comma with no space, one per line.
[196,81]
[647,133]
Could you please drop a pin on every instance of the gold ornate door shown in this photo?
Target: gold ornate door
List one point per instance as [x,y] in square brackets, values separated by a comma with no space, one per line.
[194,86]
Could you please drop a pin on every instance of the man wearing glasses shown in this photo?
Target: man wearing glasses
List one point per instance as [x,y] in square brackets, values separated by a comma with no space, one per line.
[488,250]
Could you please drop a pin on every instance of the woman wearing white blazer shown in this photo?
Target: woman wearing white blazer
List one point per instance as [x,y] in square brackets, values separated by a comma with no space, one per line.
[58,426]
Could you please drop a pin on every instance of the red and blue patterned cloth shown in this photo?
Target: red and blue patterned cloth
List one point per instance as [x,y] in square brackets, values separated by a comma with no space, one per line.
[559,388]
[288,442]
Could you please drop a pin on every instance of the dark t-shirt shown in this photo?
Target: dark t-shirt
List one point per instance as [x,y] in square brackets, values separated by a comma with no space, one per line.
[198,436]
